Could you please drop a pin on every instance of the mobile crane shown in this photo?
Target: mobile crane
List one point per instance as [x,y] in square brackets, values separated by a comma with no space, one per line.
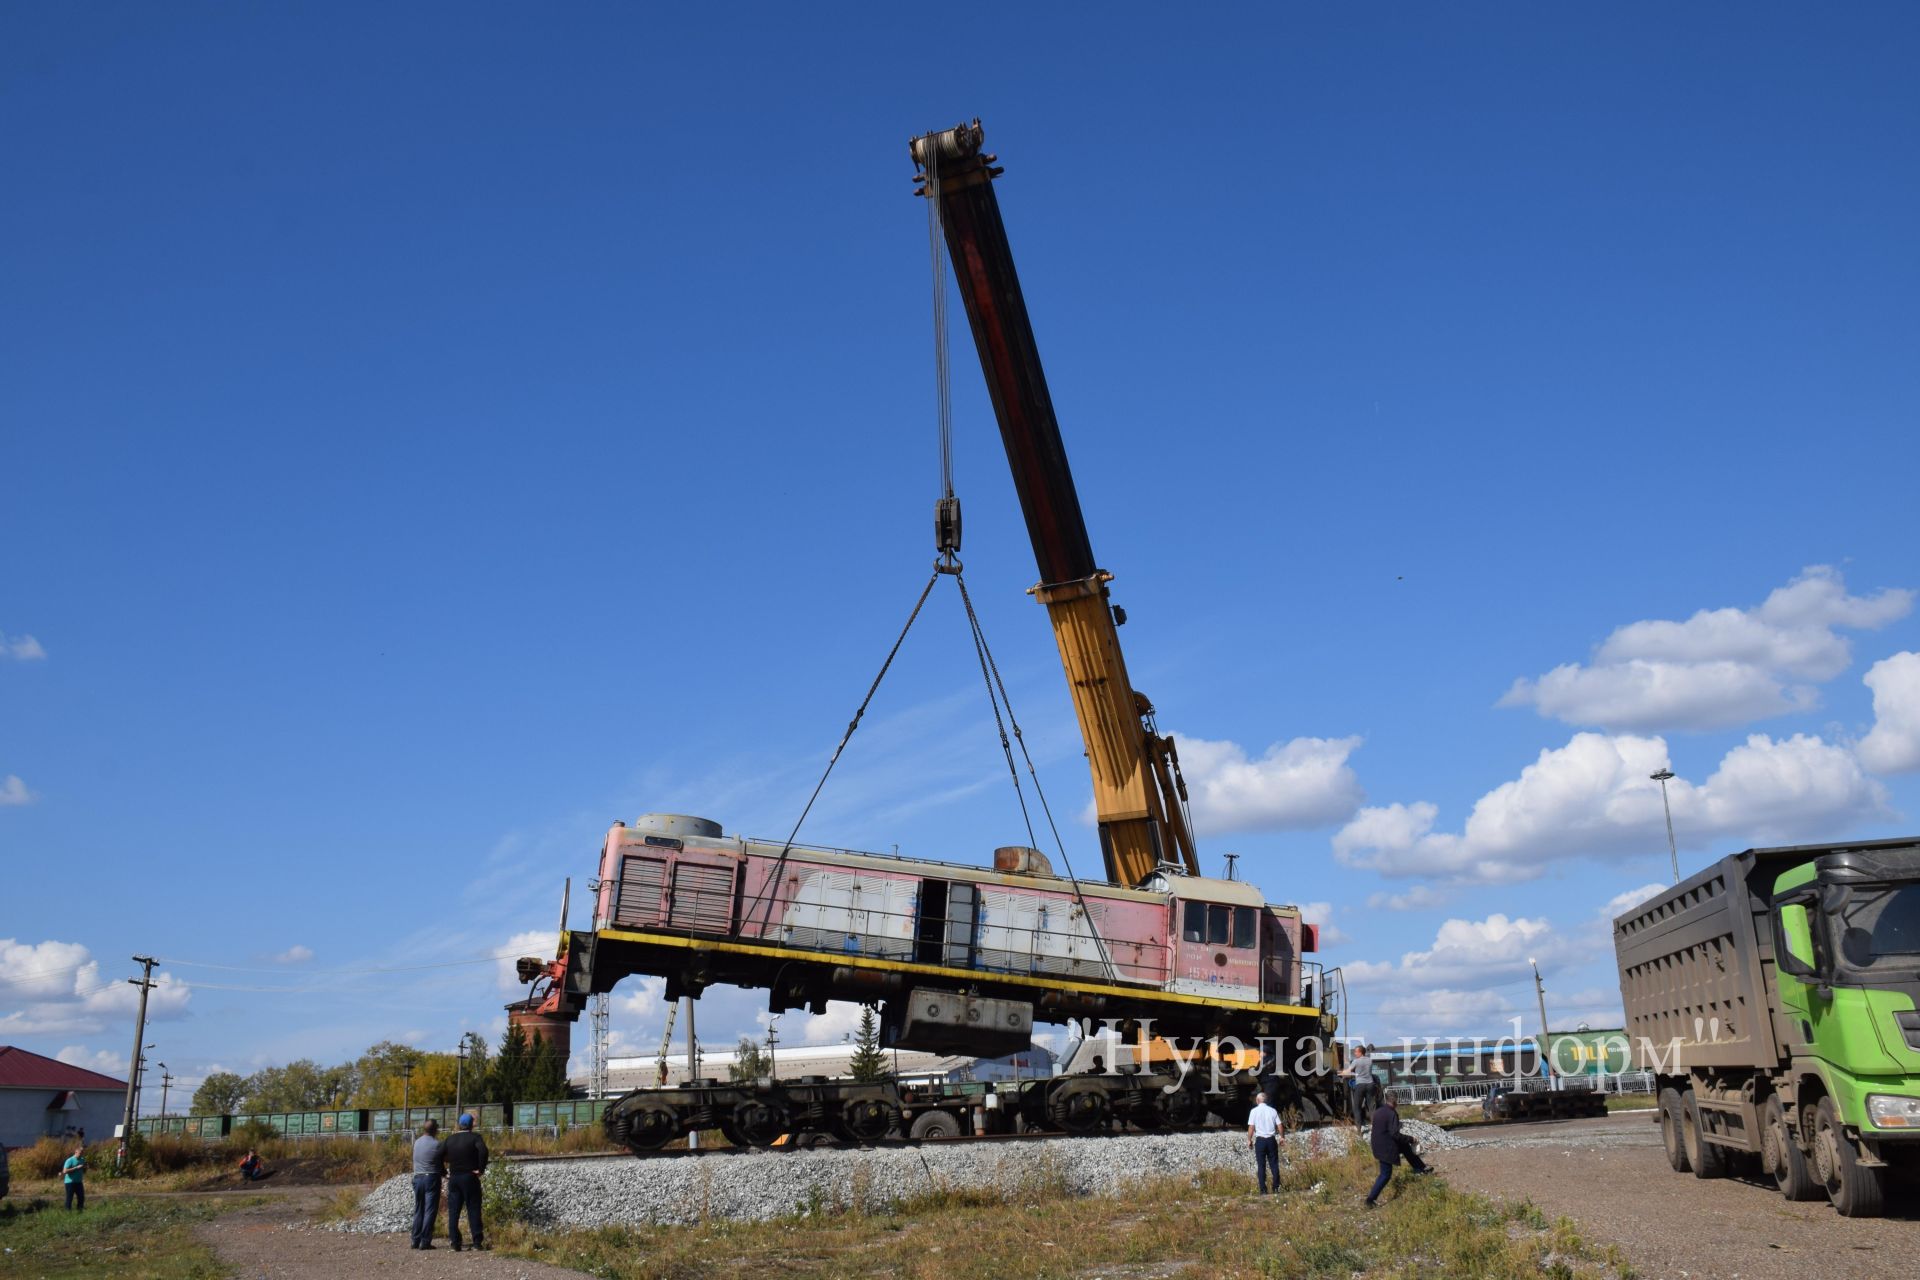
[964,958]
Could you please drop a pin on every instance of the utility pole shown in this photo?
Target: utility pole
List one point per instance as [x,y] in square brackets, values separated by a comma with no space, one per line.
[145,983]
[1540,993]
[406,1084]
[166,1081]
[1662,778]
[459,1074]
[773,1064]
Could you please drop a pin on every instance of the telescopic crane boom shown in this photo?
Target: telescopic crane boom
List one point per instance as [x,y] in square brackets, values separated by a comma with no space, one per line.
[1138,793]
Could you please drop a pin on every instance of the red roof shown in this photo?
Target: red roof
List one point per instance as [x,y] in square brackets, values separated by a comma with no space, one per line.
[22,1070]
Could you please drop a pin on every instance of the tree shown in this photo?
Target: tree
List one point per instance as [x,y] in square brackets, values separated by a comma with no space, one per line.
[546,1073]
[867,1063]
[750,1063]
[433,1082]
[219,1094]
[381,1072]
[507,1080]
[301,1085]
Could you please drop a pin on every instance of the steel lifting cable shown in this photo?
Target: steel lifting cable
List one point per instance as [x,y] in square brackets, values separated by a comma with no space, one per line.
[990,671]
[772,885]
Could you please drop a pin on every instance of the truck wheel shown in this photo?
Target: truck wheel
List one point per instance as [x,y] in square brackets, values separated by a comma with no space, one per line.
[1708,1161]
[1856,1190]
[934,1125]
[1781,1154]
[1670,1136]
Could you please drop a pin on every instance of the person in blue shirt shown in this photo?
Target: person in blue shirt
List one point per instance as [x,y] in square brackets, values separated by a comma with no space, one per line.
[75,1170]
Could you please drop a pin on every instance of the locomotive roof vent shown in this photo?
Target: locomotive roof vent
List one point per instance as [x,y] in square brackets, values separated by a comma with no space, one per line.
[1018,860]
[681,825]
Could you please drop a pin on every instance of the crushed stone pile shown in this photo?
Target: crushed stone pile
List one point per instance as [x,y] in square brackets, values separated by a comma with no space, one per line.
[771,1184]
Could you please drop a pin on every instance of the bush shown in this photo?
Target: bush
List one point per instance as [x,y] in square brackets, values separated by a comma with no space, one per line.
[170,1153]
[43,1159]
[505,1195]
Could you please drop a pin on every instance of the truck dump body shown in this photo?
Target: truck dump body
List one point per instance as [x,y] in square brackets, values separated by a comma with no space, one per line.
[1696,966]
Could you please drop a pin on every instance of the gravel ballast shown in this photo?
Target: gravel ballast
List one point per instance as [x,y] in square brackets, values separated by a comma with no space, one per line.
[756,1186]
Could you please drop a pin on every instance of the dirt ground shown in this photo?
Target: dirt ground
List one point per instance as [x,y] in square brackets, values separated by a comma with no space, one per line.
[273,1239]
[1610,1175]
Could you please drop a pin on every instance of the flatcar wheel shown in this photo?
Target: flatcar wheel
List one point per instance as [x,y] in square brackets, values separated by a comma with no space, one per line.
[1183,1108]
[651,1126]
[760,1121]
[1080,1106]
[868,1119]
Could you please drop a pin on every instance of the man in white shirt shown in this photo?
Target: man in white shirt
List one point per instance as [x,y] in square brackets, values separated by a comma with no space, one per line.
[1263,1139]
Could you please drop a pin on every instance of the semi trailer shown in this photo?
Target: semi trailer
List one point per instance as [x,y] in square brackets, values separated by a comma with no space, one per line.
[1774,996]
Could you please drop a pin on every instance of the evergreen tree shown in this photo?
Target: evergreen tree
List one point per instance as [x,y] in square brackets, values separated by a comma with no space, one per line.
[868,1063]
[546,1073]
[507,1081]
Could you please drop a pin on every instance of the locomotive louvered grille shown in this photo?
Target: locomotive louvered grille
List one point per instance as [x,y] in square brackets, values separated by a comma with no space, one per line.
[643,882]
[702,900]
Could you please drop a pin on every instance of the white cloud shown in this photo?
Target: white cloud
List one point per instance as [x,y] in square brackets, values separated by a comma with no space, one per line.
[1470,955]
[641,998]
[538,943]
[1719,668]
[104,1061]
[21,648]
[57,988]
[1593,798]
[1303,783]
[295,954]
[1321,914]
[14,792]
[1619,903]
[1893,744]
[841,1020]
[1443,1013]
[1421,897]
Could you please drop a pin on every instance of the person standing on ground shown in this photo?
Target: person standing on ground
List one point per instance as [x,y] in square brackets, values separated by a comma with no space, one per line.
[1389,1144]
[429,1163]
[1359,1075]
[1263,1139]
[466,1161]
[75,1171]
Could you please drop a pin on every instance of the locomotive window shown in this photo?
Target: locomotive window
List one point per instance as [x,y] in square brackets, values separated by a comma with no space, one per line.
[1218,921]
[1194,928]
[1245,926]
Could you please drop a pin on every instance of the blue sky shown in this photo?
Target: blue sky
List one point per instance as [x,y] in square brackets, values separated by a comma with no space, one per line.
[435,432]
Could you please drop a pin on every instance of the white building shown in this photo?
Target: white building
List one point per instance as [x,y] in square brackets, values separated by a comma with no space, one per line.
[43,1097]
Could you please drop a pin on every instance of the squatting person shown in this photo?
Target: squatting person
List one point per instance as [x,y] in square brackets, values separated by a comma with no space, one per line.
[466,1161]
[1263,1139]
[429,1163]
[1389,1144]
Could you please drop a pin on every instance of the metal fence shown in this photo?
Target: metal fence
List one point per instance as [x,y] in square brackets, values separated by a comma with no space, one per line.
[1418,1094]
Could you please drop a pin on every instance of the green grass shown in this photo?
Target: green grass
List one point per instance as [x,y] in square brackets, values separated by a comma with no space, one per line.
[1209,1227]
[114,1236]
[1631,1102]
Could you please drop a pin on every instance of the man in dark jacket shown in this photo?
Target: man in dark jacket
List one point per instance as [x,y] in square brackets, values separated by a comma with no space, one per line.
[1389,1144]
[466,1161]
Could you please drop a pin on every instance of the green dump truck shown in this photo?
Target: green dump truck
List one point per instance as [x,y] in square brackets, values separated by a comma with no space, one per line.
[1774,997]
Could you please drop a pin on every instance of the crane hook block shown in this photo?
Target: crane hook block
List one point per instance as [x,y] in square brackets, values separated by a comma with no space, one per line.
[946,525]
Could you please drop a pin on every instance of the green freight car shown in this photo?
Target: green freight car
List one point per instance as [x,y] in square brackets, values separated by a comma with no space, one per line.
[1774,997]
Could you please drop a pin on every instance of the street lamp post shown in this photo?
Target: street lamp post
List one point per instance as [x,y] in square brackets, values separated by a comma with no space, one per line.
[1662,778]
[1540,993]
[166,1082]
[459,1074]
[406,1084]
